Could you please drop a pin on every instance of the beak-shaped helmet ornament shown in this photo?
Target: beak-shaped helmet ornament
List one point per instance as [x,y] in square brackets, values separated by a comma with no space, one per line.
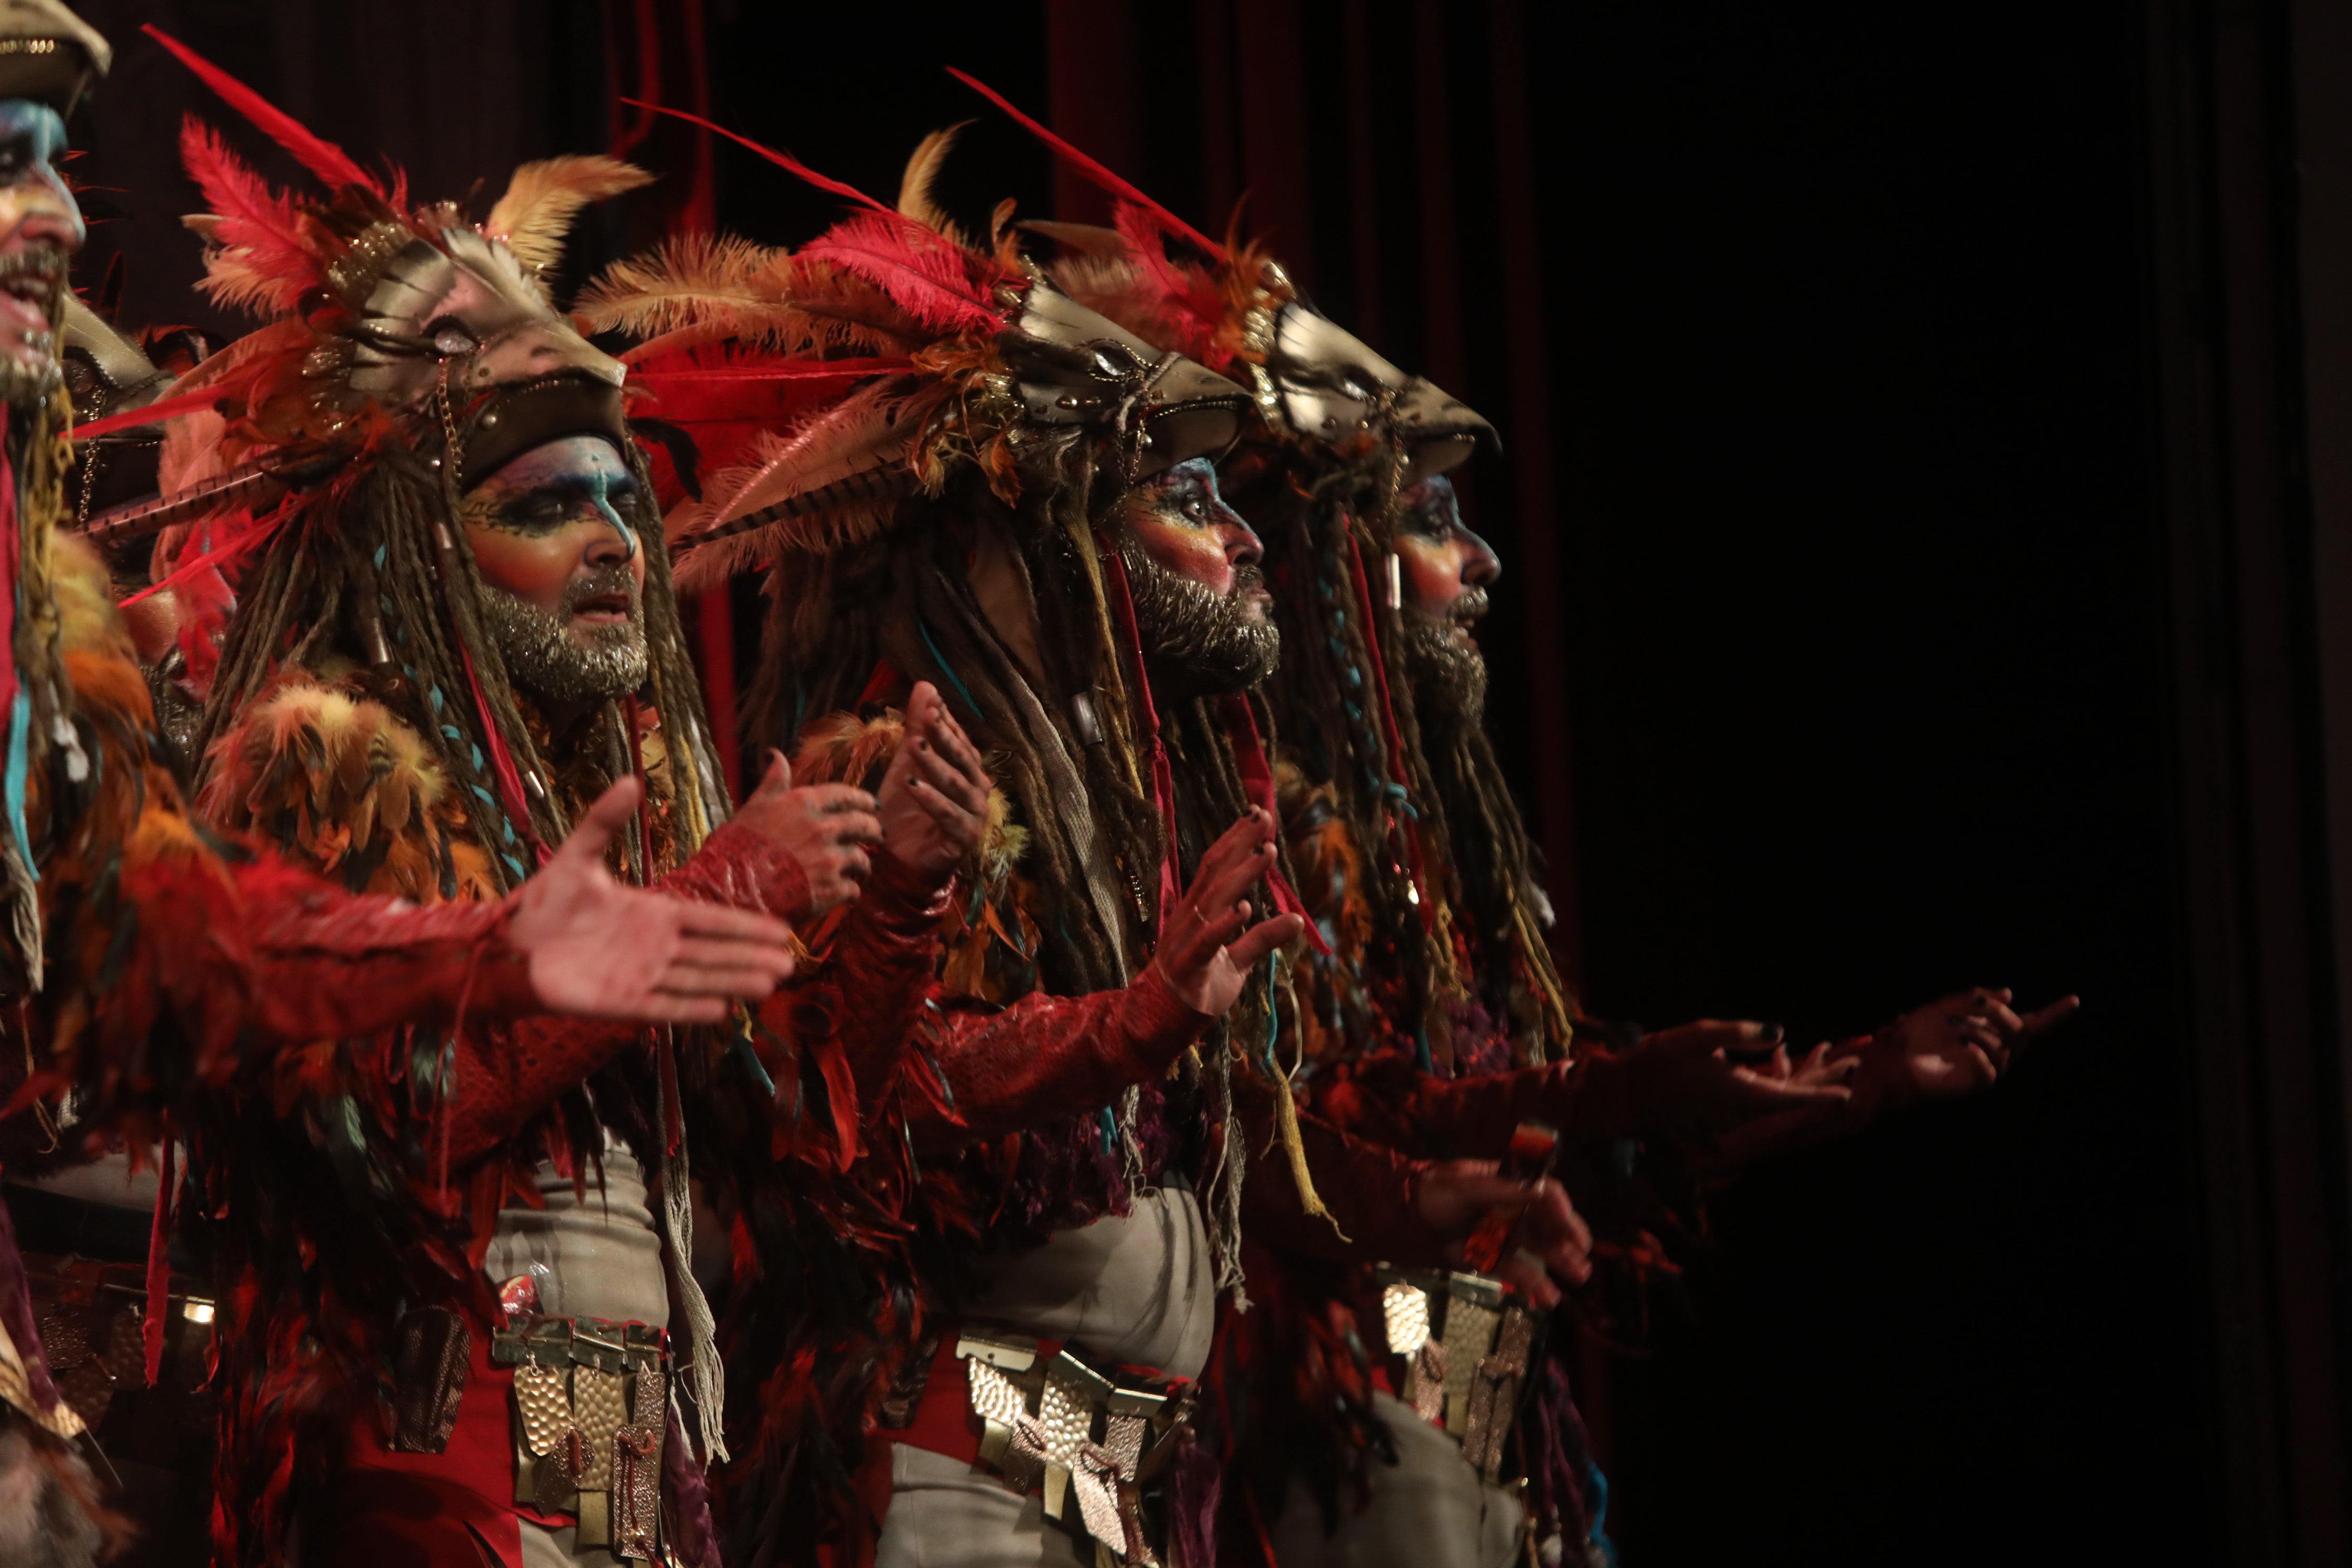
[1073,366]
[1328,385]
[460,320]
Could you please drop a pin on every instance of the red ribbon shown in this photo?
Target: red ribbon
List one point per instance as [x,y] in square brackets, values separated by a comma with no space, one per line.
[1388,722]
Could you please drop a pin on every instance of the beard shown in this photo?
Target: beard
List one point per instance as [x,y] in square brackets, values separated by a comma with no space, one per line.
[1200,642]
[1448,671]
[544,654]
[28,379]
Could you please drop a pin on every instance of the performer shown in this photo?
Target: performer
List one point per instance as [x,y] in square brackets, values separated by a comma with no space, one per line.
[144,958]
[1020,512]
[453,637]
[1440,981]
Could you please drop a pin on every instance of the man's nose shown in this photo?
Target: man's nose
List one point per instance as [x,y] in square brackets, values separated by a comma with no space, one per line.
[1482,565]
[613,544]
[49,225]
[1242,546]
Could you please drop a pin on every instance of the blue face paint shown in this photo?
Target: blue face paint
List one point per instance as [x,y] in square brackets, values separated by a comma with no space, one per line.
[32,140]
[564,482]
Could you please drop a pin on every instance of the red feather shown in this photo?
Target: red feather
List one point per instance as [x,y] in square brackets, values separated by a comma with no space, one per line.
[925,275]
[1093,171]
[254,219]
[782,160]
[1187,299]
[321,157]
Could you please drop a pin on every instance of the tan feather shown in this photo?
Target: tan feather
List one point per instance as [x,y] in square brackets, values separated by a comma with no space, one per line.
[868,432]
[701,288]
[915,198]
[545,196]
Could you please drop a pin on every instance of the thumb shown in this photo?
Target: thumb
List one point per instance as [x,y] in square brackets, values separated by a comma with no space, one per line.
[604,821]
[779,777]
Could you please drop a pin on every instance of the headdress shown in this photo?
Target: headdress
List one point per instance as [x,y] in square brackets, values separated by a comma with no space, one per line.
[1344,433]
[408,352]
[47,54]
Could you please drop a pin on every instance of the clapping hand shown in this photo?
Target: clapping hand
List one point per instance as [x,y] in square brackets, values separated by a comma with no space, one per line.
[1207,947]
[933,804]
[599,950]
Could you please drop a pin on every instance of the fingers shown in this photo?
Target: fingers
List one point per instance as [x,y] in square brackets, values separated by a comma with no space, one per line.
[836,799]
[1239,857]
[1763,1095]
[1253,828]
[1558,1232]
[2044,1019]
[724,952]
[604,821]
[1210,933]
[947,736]
[1707,1036]
[778,778]
[954,783]
[719,921]
[1263,938]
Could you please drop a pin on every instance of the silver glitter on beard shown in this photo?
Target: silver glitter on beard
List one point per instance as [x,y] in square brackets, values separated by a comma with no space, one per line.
[1449,673]
[1200,642]
[545,659]
[27,385]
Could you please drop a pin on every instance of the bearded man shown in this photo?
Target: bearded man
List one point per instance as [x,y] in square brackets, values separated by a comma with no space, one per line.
[456,630]
[145,962]
[1025,517]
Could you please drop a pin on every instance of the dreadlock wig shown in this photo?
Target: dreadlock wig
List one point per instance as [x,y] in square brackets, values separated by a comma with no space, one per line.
[363,720]
[1407,844]
[938,509]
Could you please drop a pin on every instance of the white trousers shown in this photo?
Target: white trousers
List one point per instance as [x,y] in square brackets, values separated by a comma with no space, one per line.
[1428,1508]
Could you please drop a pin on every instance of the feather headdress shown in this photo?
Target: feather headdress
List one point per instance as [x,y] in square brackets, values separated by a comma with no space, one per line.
[993,354]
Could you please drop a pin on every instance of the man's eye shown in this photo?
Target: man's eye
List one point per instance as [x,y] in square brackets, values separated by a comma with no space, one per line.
[1197,510]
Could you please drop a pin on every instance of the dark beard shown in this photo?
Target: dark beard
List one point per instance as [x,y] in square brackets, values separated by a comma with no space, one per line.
[1449,674]
[1200,642]
[545,660]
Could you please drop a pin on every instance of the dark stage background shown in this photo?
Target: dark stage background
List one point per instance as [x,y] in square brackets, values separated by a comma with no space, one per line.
[1907,588]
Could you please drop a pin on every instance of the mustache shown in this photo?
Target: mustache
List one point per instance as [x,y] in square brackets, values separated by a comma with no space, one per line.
[599,584]
[41,263]
[1469,606]
[1246,581]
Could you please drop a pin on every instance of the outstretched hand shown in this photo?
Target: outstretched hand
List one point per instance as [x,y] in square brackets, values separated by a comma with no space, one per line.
[1549,1240]
[1693,1084]
[826,827]
[1208,948]
[933,803]
[1954,1046]
[599,950]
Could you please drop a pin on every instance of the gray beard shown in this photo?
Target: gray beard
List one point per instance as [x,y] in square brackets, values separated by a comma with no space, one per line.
[1449,677]
[544,659]
[1198,641]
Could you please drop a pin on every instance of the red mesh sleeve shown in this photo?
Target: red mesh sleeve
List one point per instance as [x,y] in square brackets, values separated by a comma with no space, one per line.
[1367,1189]
[1045,1058]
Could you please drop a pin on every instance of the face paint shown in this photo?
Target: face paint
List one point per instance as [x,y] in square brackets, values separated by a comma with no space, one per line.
[557,535]
[41,228]
[1446,570]
[1200,604]
[1183,523]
